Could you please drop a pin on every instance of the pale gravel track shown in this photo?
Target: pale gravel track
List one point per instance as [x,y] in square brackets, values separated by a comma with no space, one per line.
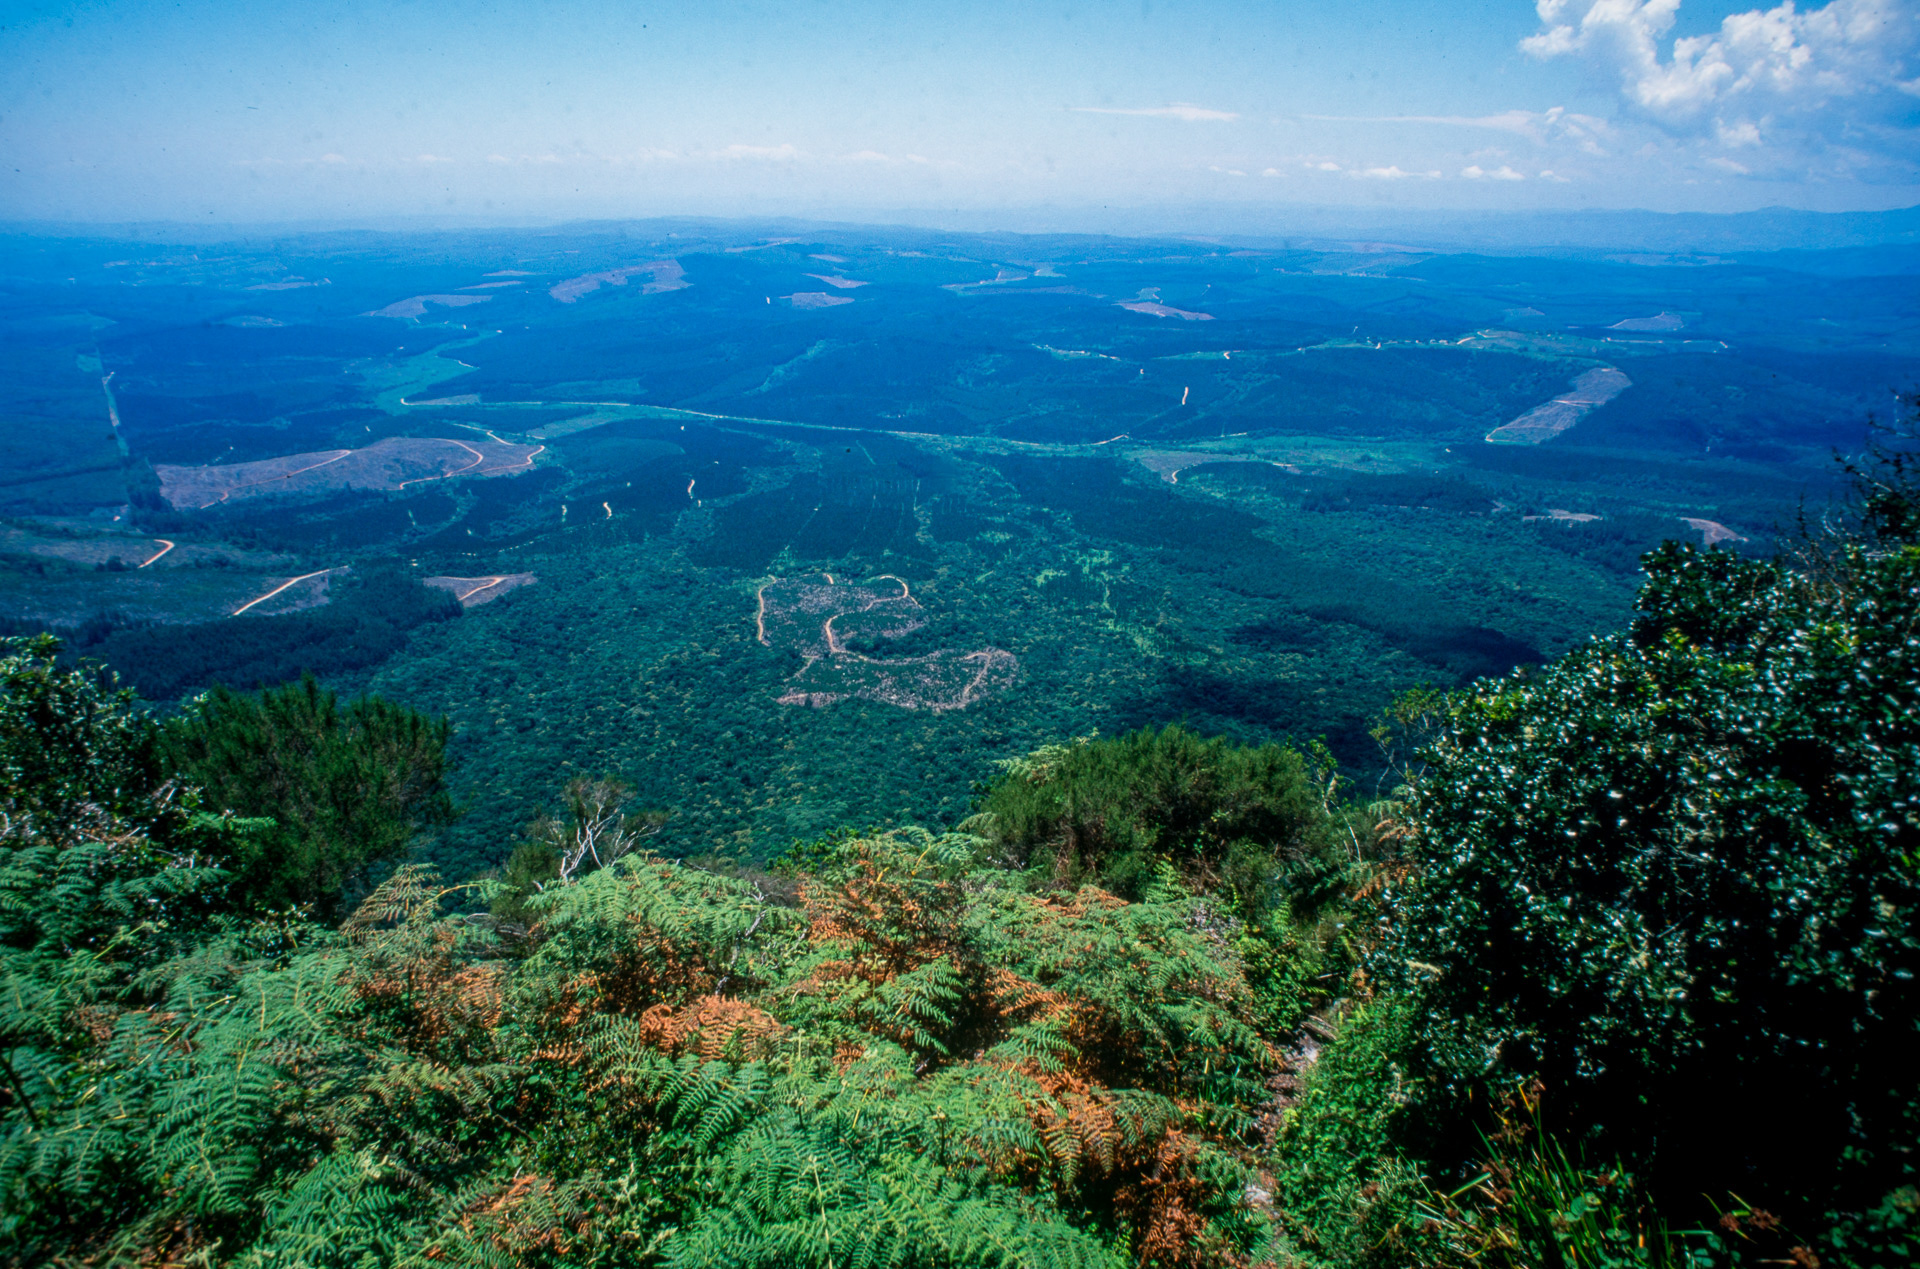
[276,590]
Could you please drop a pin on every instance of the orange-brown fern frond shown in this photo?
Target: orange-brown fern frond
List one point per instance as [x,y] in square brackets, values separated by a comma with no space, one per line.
[715,1027]
[1163,1203]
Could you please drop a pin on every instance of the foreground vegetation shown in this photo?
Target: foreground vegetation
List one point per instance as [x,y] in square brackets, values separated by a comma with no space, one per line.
[1624,975]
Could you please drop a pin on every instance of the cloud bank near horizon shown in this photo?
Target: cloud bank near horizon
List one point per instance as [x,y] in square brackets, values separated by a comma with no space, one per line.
[1177,110]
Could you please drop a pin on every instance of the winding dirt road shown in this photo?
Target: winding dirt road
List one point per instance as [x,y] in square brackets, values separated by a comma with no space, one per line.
[482,583]
[286,475]
[276,590]
[478,458]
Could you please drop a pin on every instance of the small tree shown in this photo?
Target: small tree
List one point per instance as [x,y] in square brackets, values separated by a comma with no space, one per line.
[68,736]
[1106,812]
[596,829]
[346,787]
[596,832]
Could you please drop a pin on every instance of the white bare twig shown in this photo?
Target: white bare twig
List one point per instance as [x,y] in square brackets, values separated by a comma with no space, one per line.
[597,828]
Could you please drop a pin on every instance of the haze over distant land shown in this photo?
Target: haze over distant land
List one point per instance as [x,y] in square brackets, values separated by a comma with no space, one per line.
[1231,117]
[1288,225]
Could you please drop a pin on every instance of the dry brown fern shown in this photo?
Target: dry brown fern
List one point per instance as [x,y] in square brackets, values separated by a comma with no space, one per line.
[714,1027]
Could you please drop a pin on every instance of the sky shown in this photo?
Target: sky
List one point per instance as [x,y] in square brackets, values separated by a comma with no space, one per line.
[240,111]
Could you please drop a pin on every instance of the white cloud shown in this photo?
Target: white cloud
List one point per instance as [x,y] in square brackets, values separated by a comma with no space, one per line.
[1178,110]
[1837,81]
[1535,125]
[1386,172]
[1501,173]
[765,153]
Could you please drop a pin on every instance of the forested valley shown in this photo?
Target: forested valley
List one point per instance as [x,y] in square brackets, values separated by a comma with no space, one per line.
[555,512]
[1621,973]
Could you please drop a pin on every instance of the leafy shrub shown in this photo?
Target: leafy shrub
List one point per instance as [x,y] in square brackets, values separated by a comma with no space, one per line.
[67,735]
[1244,819]
[1347,1192]
[1674,876]
[345,788]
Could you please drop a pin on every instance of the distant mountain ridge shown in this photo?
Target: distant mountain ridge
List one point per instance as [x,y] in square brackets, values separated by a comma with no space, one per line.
[1299,225]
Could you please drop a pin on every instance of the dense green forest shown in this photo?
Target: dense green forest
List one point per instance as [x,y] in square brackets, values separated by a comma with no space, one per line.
[1264,525]
[1621,974]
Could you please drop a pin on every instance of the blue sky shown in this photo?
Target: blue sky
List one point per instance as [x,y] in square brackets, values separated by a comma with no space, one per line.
[222,111]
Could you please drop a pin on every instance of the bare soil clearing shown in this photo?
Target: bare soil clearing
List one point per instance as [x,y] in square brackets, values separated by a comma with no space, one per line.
[92,548]
[1001,277]
[309,590]
[1712,532]
[815,615]
[1169,463]
[1592,389]
[844,284]
[474,591]
[799,612]
[944,680]
[88,551]
[1152,309]
[667,276]
[391,463]
[567,427]
[1660,321]
[416,305]
[816,299]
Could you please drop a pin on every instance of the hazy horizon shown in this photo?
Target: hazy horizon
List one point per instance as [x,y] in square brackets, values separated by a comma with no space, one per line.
[1566,233]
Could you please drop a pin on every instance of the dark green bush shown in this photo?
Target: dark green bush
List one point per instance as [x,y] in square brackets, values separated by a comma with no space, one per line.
[346,787]
[1676,876]
[103,857]
[1236,818]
